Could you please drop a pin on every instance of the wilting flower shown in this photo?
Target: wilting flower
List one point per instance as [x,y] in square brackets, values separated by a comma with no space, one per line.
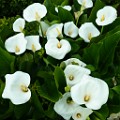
[65,106]
[44,26]
[81,113]
[114,116]
[87,31]
[85,3]
[74,61]
[106,15]
[34,12]
[57,49]
[16,87]
[66,7]
[54,31]
[16,44]
[74,74]
[70,29]
[92,92]
[33,43]
[19,25]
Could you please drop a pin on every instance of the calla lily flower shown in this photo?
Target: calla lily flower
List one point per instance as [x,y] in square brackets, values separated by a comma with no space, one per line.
[19,25]
[106,15]
[16,87]
[74,74]
[33,43]
[65,106]
[16,44]
[44,27]
[87,31]
[92,92]
[81,113]
[74,61]
[66,7]
[34,12]
[57,49]
[54,31]
[85,3]
[70,29]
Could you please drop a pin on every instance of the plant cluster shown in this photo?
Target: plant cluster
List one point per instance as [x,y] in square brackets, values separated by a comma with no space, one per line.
[61,60]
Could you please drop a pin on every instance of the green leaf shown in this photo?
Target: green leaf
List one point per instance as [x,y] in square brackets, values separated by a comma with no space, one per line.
[103,113]
[98,5]
[117,89]
[107,51]
[64,15]
[6,62]
[37,104]
[48,89]
[91,54]
[60,79]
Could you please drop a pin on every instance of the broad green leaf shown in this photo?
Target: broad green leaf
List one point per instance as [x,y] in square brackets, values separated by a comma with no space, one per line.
[98,5]
[48,89]
[60,79]
[107,51]
[91,54]
[65,15]
[6,62]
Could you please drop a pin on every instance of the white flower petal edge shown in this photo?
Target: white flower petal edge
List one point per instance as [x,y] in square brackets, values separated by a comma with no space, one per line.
[19,25]
[106,15]
[34,12]
[70,29]
[57,49]
[33,43]
[54,31]
[66,7]
[81,113]
[16,44]
[74,61]
[65,106]
[74,74]
[87,31]
[16,87]
[44,26]
[86,3]
[90,92]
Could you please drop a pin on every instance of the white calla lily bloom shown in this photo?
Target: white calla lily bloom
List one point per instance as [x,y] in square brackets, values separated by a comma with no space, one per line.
[70,29]
[74,74]
[81,113]
[34,12]
[92,92]
[16,44]
[19,25]
[106,15]
[16,87]
[33,43]
[54,31]
[87,31]
[66,7]
[65,106]
[57,49]
[85,3]
[74,61]
[44,27]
